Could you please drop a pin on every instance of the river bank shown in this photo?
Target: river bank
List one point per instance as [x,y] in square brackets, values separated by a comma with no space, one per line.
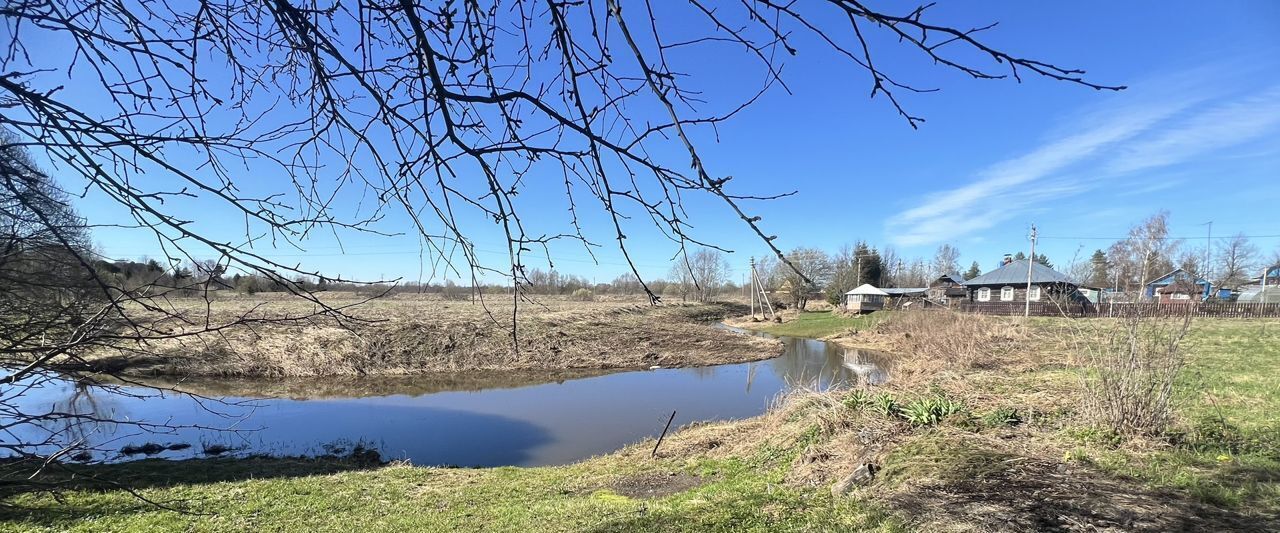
[1009,452]
[411,337]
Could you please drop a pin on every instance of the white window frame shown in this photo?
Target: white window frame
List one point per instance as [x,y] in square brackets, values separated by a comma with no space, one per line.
[1034,293]
[984,294]
[1010,291]
[1179,296]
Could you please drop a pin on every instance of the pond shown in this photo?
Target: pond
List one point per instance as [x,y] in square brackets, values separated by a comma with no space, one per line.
[523,420]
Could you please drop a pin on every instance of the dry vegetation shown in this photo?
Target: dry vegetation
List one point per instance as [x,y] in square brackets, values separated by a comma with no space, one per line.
[934,344]
[408,335]
[1013,442]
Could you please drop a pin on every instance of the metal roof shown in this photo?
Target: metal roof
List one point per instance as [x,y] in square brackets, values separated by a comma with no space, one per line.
[1172,277]
[1015,273]
[954,277]
[897,291]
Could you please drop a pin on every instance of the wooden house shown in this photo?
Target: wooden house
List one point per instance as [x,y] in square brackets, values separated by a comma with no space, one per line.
[947,289]
[1205,288]
[1009,284]
[1182,291]
[864,299]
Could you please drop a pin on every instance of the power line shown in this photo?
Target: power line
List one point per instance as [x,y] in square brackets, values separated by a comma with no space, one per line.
[1200,238]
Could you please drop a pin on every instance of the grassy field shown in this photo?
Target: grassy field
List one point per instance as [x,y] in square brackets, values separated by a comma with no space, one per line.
[1007,448]
[1227,447]
[625,491]
[406,336]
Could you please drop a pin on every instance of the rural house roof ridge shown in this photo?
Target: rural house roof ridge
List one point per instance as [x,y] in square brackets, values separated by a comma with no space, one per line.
[1016,273]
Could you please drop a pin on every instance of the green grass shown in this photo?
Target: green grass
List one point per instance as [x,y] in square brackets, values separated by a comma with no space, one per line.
[737,494]
[818,324]
[1225,447]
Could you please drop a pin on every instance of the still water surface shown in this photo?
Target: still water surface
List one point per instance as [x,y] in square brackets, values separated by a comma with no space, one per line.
[500,421]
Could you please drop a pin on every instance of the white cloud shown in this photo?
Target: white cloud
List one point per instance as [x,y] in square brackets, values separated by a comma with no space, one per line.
[1137,132]
[1218,127]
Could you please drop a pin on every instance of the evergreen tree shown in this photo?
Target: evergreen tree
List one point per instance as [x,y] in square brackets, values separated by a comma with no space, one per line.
[1101,272]
[1044,260]
[973,272]
[871,269]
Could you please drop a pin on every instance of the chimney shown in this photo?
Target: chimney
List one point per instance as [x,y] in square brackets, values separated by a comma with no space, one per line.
[1008,258]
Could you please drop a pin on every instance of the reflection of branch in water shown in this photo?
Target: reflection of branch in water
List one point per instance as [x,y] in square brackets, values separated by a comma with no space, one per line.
[87,421]
[83,403]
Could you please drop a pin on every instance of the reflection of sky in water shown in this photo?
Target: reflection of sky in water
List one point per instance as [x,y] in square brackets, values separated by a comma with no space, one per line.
[548,423]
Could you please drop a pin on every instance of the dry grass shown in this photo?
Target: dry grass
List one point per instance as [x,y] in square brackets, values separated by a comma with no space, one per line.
[401,336]
[933,345]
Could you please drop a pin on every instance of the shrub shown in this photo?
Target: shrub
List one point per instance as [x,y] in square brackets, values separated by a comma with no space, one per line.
[1130,369]
[583,295]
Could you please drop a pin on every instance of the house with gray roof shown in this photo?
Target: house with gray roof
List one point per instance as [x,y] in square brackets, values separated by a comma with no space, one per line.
[1009,284]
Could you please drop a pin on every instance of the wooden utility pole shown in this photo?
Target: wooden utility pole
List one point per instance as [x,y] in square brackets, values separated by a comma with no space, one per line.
[753,288]
[1030,263]
[765,306]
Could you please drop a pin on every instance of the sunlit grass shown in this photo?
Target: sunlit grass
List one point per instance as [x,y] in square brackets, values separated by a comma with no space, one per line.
[823,323]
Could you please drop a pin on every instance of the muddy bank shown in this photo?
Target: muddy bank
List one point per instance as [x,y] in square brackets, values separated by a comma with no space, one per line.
[413,338]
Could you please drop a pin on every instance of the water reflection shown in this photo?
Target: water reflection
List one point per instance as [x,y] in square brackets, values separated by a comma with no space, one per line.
[511,420]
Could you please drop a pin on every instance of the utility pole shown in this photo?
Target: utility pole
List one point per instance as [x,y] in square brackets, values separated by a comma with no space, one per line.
[858,261]
[1031,261]
[753,288]
[765,306]
[1208,252]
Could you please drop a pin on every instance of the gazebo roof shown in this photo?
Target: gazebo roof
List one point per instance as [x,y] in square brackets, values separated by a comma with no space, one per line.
[867,289]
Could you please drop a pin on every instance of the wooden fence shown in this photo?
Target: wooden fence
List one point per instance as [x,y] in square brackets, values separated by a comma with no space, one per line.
[1205,309]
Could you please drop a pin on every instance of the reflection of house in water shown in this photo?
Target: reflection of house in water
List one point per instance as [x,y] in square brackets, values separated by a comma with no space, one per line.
[870,367]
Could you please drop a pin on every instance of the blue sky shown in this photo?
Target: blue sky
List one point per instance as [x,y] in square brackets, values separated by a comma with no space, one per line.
[1197,133]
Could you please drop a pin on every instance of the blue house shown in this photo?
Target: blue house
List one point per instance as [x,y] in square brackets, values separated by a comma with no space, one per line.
[1179,275]
[1272,277]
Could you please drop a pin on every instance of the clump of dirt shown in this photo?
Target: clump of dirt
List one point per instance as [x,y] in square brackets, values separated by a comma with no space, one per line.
[655,484]
[1027,494]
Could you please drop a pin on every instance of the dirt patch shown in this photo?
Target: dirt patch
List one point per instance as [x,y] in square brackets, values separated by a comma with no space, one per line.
[655,484]
[1036,495]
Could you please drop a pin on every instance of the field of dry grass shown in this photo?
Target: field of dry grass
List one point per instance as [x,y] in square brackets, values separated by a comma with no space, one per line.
[412,335]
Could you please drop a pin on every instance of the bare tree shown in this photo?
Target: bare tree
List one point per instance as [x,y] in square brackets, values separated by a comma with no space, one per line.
[813,271]
[1238,259]
[946,260]
[700,276]
[710,271]
[680,281]
[441,113]
[1146,254]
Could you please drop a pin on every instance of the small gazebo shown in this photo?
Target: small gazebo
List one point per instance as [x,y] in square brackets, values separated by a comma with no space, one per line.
[864,299]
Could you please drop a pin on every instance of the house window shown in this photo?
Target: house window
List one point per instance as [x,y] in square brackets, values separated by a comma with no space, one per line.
[1006,294]
[984,295]
[1034,294]
[1180,296]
